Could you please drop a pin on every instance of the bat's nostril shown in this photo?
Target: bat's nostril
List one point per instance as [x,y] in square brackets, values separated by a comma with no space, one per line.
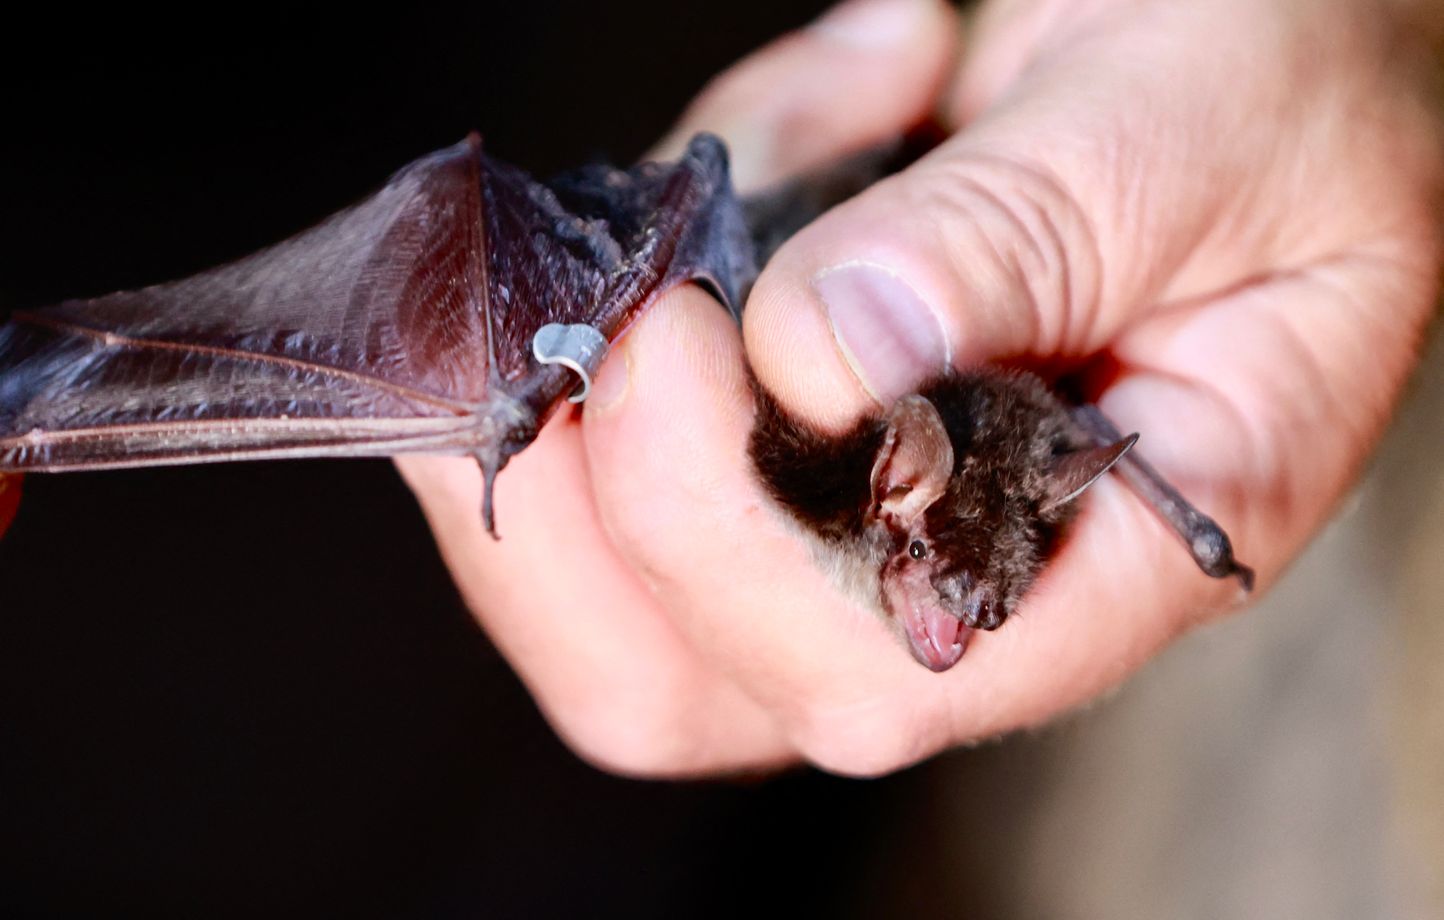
[981,610]
[953,589]
[990,615]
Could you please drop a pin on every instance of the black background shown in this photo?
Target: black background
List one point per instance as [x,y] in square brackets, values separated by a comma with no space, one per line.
[251,689]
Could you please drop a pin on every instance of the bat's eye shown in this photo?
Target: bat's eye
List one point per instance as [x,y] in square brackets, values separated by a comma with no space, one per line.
[918,549]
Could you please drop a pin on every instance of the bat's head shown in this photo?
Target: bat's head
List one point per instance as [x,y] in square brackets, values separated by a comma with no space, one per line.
[961,529]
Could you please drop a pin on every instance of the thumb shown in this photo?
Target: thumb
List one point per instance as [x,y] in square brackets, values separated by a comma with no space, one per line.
[1078,196]
[863,73]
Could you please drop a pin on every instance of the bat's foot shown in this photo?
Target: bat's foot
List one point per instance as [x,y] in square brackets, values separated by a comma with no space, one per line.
[1212,550]
[1206,541]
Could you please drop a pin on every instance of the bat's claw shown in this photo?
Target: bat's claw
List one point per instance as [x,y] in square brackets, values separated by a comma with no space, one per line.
[1245,575]
[490,465]
[1213,552]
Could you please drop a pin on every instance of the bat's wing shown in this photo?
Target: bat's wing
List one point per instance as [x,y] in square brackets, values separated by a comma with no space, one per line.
[404,323]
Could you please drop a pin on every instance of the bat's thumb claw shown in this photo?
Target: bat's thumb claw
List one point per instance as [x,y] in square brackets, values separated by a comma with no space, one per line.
[488,519]
[490,466]
[1245,575]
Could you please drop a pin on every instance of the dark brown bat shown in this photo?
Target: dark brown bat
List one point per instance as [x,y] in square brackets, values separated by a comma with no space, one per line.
[454,310]
[943,510]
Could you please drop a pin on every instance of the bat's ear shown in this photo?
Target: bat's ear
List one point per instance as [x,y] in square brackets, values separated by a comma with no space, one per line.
[1073,472]
[913,465]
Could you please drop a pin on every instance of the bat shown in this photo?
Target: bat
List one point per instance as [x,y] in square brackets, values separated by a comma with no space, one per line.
[459,307]
[943,510]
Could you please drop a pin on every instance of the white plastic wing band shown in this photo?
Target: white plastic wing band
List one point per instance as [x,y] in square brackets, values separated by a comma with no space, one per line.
[578,347]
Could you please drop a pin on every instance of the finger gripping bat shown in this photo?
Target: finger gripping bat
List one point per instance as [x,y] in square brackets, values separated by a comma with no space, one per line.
[461,305]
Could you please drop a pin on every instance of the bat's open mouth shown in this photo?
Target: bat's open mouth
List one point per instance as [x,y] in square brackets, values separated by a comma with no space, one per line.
[936,638]
[936,635]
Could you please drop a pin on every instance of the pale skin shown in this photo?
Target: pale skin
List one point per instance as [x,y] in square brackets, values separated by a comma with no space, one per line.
[1237,199]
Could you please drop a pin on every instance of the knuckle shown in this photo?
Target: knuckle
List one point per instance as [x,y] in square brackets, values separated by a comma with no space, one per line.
[634,731]
[863,740]
[1014,229]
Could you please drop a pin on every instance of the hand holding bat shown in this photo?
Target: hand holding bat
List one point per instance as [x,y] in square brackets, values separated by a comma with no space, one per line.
[1188,197]
[448,312]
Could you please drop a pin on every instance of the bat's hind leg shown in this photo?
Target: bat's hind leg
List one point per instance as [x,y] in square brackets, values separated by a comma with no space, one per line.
[1206,541]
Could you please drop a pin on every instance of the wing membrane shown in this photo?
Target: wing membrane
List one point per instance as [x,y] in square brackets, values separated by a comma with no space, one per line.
[375,314]
[400,324]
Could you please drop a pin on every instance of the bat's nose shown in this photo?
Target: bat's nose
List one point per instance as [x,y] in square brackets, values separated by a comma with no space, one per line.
[981,610]
[974,604]
[953,588]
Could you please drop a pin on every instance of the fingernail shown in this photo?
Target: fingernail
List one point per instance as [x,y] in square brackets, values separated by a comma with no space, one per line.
[611,382]
[871,23]
[890,338]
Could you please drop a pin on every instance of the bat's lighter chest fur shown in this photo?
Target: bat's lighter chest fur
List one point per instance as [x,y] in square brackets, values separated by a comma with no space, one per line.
[848,567]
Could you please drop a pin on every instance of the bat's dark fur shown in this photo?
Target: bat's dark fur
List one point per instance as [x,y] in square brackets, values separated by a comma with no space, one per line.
[984,539]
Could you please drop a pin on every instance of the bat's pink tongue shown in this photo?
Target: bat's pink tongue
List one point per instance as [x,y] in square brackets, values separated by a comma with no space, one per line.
[936,637]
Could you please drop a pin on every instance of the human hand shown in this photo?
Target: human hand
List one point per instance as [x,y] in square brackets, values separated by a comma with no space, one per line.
[1232,202]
